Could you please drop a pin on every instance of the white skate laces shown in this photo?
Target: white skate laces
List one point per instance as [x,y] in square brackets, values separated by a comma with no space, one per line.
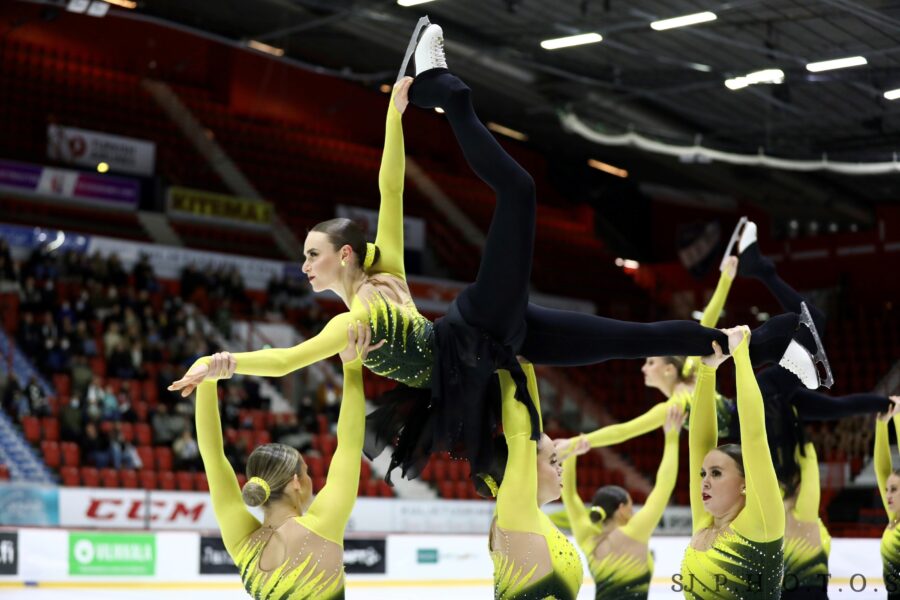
[803,363]
[430,50]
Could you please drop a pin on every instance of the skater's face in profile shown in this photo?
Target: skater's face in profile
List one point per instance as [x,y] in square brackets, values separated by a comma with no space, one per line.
[657,372]
[892,493]
[322,262]
[549,471]
[722,484]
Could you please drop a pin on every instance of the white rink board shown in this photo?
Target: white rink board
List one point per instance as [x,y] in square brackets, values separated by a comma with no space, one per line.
[417,567]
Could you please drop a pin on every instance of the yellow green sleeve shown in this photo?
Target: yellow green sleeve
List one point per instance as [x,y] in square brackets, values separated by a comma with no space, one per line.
[758,521]
[712,312]
[882,456]
[330,511]
[713,309]
[517,508]
[647,422]
[231,513]
[579,517]
[703,436]
[808,495]
[642,524]
[389,238]
[278,362]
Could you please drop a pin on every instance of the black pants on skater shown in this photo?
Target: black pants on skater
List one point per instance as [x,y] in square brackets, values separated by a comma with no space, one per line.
[497,302]
[788,403]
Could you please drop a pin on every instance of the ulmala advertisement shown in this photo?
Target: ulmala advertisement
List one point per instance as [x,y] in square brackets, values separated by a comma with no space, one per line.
[112,554]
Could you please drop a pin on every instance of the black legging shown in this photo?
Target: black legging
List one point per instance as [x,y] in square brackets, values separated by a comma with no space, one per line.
[497,301]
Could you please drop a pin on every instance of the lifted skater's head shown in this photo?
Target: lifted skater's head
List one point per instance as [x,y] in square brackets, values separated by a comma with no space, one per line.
[333,249]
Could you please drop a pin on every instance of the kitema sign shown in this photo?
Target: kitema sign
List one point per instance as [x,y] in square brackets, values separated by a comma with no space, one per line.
[112,554]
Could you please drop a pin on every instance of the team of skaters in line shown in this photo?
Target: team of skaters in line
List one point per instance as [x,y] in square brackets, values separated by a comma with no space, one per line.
[467,385]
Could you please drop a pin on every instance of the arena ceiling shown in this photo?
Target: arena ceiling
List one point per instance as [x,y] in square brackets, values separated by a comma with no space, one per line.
[666,85]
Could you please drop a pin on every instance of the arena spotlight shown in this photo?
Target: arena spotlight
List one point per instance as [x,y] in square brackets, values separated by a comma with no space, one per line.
[693,19]
[892,94]
[411,2]
[837,63]
[129,4]
[261,47]
[572,40]
[774,76]
[508,132]
[607,168]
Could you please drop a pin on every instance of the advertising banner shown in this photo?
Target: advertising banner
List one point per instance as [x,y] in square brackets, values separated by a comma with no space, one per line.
[199,205]
[413,227]
[78,187]
[135,509]
[365,556]
[29,504]
[90,148]
[9,553]
[214,559]
[112,554]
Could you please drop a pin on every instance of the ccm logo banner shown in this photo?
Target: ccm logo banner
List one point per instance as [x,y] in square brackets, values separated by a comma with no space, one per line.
[9,553]
[135,509]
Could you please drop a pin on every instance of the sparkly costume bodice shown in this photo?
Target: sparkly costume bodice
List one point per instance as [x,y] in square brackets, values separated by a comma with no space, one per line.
[296,579]
[806,561]
[621,577]
[890,558]
[513,581]
[408,353]
[733,568]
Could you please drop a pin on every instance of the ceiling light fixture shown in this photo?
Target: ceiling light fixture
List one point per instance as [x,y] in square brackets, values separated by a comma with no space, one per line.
[694,19]
[123,3]
[502,130]
[411,2]
[572,40]
[773,76]
[837,63]
[892,94]
[607,168]
[265,48]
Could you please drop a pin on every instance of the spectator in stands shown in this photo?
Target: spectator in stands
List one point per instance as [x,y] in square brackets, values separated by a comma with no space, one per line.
[289,432]
[166,425]
[28,336]
[7,266]
[119,363]
[71,418]
[95,447]
[112,338]
[186,452]
[109,404]
[38,404]
[14,397]
[237,454]
[144,277]
[124,454]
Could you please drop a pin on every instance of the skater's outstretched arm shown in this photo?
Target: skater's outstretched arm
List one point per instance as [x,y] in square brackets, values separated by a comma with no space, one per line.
[389,238]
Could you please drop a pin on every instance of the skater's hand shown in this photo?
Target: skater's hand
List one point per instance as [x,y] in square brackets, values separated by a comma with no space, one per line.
[736,336]
[566,447]
[359,342]
[675,418]
[893,410]
[730,266]
[221,366]
[716,358]
[191,379]
[401,93]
